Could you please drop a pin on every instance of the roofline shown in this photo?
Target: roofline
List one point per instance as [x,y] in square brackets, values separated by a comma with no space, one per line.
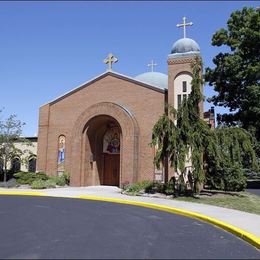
[111,73]
[30,138]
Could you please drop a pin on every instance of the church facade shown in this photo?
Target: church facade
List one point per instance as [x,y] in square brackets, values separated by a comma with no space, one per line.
[100,132]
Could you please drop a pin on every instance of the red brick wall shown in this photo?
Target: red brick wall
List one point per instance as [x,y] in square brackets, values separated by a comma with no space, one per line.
[56,118]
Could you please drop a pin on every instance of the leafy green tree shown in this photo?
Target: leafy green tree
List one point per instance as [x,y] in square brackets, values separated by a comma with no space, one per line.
[227,157]
[217,155]
[10,134]
[236,76]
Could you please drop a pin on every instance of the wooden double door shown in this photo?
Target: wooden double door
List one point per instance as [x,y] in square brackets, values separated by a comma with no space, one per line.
[111,169]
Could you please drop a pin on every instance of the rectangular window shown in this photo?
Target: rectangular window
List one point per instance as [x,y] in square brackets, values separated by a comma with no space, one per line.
[184,86]
[179,101]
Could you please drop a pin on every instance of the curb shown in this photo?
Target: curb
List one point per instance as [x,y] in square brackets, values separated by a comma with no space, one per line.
[248,237]
[22,193]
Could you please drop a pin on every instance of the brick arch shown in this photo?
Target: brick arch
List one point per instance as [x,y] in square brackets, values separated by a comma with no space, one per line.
[130,134]
[185,72]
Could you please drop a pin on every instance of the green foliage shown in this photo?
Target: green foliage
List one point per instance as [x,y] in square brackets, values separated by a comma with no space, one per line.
[43,184]
[37,178]
[29,177]
[233,153]
[137,187]
[236,76]
[220,154]
[186,137]
[50,183]
[39,184]
[60,180]
[66,177]
[10,133]
[155,187]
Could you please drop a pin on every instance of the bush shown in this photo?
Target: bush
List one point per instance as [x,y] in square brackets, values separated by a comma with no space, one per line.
[58,180]
[228,179]
[61,180]
[50,184]
[155,187]
[234,179]
[39,184]
[66,176]
[138,187]
[29,177]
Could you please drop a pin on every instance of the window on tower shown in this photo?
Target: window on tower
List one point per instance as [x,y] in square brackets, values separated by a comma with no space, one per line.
[179,101]
[184,86]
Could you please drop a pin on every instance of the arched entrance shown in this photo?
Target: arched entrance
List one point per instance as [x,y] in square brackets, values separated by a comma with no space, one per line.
[103,135]
[86,150]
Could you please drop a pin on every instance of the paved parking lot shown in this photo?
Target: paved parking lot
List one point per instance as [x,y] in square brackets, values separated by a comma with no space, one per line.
[48,227]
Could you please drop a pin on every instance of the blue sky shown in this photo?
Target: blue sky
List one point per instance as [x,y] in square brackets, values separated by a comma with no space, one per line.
[48,48]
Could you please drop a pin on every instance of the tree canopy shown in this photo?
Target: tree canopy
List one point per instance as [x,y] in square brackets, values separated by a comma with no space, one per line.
[10,133]
[217,156]
[236,76]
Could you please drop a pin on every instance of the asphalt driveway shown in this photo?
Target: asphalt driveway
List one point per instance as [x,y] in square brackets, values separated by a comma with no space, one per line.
[48,227]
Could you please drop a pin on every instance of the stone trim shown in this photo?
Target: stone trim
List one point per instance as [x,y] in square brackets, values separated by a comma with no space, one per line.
[172,61]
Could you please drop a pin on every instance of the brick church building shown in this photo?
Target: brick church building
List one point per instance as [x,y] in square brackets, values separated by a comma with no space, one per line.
[103,135]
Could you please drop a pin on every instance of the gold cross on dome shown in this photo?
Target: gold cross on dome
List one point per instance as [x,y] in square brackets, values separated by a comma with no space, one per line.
[184,24]
[152,65]
[110,60]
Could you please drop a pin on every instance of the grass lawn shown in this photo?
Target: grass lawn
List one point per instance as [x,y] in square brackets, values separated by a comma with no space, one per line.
[243,201]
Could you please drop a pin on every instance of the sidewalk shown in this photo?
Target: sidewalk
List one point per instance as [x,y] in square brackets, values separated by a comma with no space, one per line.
[245,221]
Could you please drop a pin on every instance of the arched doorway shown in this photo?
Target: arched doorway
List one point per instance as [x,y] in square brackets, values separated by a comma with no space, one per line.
[86,158]
[103,134]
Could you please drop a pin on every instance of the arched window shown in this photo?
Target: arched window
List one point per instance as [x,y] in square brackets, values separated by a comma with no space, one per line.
[111,141]
[15,165]
[32,164]
[61,154]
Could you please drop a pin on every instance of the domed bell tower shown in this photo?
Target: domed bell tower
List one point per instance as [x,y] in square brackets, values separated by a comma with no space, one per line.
[179,61]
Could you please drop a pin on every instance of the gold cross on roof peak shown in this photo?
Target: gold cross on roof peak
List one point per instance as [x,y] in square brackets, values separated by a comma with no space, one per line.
[110,60]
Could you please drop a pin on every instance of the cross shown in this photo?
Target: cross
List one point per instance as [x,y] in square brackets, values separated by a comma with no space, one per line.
[110,60]
[184,24]
[152,65]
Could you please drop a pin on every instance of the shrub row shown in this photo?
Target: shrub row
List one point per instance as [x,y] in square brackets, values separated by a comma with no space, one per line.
[41,180]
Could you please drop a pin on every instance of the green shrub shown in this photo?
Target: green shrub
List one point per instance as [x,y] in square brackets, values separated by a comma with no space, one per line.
[50,184]
[29,177]
[39,184]
[137,187]
[235,179]
[155,187]
[228,179]
[25,177]
[60,180]
[66,176]
[42,176]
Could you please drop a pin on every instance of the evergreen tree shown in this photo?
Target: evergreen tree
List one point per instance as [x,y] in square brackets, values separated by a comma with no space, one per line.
[218,155]
[184,139]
